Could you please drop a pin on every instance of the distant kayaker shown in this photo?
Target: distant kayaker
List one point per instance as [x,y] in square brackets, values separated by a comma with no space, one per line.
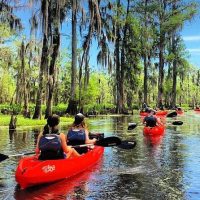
[51,144]
[151,120]
[78,133]
[145,107]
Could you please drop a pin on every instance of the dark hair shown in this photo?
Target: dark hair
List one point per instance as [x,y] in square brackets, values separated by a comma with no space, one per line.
[78,118]
[52,121]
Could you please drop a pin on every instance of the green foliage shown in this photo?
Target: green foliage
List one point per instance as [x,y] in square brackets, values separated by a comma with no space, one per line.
[21,121]
[5,32]
[185,106]
[7,87]
[98,92]
[60,109]
[135,107]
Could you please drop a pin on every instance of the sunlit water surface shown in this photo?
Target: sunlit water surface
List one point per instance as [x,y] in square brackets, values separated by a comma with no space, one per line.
[167,167]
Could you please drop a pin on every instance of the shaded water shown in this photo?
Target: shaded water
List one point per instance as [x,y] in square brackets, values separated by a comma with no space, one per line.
[167,167]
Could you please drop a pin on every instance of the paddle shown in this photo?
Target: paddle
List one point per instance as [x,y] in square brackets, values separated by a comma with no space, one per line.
[104,142]
[4,157]
[110,142]
[177,123]
[172,114]
[132,126]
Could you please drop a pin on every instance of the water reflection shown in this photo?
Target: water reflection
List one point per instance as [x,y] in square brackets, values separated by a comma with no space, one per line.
[165,167]
[74,188]
[153,140]
[11,135]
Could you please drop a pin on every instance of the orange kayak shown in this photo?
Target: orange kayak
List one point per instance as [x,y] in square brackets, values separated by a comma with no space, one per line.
[31,171]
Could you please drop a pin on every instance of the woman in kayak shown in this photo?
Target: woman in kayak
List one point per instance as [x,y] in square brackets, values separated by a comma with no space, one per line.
[78,134]
[151,120]
[51,144]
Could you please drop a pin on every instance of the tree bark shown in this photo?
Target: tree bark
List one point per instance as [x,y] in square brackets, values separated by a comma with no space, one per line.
[44,62]
[55,44]
[145,59]
[145,79]
[174,75]
[174,51]
[117,58]
[72,102]
[74,49]
[24,81]
[161,72]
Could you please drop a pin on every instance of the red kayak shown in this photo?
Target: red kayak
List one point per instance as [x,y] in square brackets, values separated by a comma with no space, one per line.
[157,130]
[161,113]
[197,109]
[158,113]
[31,171]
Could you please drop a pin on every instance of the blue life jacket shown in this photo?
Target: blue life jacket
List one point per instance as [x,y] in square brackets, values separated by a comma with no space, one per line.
[150,121]
[50,146]
[77,138]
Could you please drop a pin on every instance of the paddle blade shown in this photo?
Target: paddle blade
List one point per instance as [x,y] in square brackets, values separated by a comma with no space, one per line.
[172,114]
[177,123]
[109,142]
[131,126]
[3,157]
[126,144]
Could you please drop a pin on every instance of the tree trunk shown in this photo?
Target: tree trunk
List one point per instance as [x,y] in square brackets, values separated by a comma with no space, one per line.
[119,106]
[72,102]
[18,99]
[51,81]
[174,51]
[43,64]
[161,74]
[55,44]
[174,75]
[25,94]
[145,79]
[145,59]
[161,55]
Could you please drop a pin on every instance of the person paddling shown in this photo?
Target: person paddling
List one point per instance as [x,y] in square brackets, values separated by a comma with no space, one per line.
[51,144]
[151,120]
[78,133]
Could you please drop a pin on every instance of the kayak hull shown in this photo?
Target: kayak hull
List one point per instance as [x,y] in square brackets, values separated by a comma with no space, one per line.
[153,131]
[31,171]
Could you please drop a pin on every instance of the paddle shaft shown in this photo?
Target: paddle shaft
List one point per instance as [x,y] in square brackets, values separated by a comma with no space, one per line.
[21,154]
[168,123]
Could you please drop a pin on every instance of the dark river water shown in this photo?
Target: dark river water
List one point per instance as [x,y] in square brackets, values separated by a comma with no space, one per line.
[165,168]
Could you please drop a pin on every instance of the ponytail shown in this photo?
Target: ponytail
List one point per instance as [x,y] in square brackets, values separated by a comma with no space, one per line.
[46,129]
[52,121]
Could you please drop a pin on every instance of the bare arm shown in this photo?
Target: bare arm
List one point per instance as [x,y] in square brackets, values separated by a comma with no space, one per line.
[37,150]
[87,139]
[67,149]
